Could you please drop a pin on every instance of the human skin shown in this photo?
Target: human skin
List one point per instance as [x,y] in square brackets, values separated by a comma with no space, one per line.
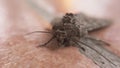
[18,50]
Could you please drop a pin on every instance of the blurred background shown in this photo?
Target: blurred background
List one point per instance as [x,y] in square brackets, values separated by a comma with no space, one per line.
[97,8]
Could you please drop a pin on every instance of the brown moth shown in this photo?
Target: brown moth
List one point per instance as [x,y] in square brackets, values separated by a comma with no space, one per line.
[73,29]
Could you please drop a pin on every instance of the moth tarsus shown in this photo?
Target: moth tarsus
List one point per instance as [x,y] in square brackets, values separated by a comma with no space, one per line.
[46,42]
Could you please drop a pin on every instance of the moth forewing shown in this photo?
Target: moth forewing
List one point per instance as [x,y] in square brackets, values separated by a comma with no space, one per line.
[101,56]
[92,23]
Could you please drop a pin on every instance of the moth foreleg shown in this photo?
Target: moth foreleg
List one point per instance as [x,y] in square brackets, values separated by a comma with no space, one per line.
[46,42]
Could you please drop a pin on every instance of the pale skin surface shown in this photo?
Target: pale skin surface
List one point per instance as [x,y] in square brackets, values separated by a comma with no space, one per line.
[20,51]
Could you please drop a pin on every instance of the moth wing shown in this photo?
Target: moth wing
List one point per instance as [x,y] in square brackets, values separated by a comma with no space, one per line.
[92,23]
[100,56]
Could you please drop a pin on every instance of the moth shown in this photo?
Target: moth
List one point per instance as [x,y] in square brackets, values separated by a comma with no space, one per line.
[73,30]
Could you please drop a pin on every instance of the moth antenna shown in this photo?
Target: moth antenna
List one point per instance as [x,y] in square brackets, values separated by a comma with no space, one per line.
[38,32]
[46,42]
[93,49]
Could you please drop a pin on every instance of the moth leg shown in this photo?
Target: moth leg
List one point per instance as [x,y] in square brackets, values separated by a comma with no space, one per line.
[98,41]
[46,42]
